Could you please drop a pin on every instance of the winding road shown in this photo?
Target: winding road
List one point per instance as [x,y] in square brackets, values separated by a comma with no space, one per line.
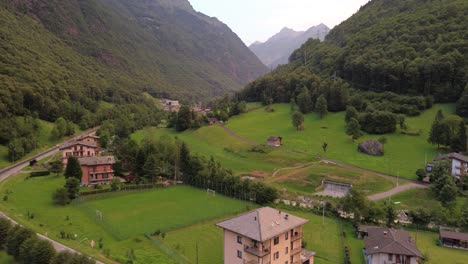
[16,168]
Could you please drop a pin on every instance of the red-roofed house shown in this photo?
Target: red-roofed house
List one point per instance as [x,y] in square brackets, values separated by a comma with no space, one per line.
[97,170]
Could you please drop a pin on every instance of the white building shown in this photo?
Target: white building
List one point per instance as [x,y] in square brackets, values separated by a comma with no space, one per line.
[459,163]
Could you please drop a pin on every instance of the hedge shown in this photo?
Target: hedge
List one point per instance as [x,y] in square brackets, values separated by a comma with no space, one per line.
[39,173]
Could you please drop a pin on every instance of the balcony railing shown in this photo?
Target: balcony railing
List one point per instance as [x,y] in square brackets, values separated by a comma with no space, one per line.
[256,262]
[296,236]
[295,251]
[256,251]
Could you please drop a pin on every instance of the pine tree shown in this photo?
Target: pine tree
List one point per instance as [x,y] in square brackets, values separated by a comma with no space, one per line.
[458,143]
[298,120]
[439,133]
[73,187]
[73,168]
[353,129]
[321,106]
[56,166]
[462,105]
[304,101]
[351,113]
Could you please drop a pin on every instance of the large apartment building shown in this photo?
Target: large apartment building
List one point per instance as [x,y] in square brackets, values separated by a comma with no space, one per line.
[265,236]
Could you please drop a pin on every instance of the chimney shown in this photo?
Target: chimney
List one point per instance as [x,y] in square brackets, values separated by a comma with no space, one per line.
[279,211]
[255,218]
[385,234]
[286,217]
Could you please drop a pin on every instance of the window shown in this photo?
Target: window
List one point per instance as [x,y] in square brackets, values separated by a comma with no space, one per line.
[390,257]
[239,239]
[286,250]
[276,255]
[239,254]
[286,236]
[276,240]
[286,262]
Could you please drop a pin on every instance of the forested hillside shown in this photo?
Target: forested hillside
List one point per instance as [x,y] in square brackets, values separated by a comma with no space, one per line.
[416,47]
[69,59]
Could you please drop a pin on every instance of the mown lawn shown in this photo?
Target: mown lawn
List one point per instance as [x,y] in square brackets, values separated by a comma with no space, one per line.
[427,244]
[129,213]
[231,152]
[306,181]
[143,212]
[403,154]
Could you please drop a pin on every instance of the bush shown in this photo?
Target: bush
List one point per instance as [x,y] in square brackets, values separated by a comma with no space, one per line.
[60,197]
[39,174]
[421,173]
[378,122]
[5,226]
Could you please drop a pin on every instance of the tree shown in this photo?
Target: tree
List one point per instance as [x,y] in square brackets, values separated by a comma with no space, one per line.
[421,216]
[5,226]
[60,197]
[115,184]
[439,133]
[458,143]
[60,127]
[56,166]
[26,254]
[355,202]
[464,214]
[390,216]
[439,116]
[184,118]
[73,187]
[304,101]
[324,146]
[184,159]
[462,104]
[42,252]
[66,257]
[15,150]
[351,113]
[321,106]
[298,120]
[16,236]
[353,129]
[443,184]
[73,168]
[421,173]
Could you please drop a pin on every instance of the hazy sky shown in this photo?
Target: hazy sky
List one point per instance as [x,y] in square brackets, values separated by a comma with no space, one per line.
[254,20]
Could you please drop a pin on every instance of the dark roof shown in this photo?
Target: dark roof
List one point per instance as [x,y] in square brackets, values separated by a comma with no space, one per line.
[262,224]
[338,183]
[395,242]
[102,160]
[454,235]
[74,143]
[452,155]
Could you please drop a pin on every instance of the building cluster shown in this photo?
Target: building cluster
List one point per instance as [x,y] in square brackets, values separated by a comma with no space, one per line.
[170,105]
[95,169]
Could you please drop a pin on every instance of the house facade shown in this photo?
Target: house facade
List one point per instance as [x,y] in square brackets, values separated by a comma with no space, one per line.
[389,246]
[79,149]
[264,236]
[89,138]
[459,163]
[96,170]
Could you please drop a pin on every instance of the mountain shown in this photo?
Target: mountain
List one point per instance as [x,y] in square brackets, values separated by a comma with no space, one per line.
[80,51]
[416,47]
[277,49]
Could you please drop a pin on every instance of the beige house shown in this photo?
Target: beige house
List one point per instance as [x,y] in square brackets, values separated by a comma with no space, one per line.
[265,236]
[389,246]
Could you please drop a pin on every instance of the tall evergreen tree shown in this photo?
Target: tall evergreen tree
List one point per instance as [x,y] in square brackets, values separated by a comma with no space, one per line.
[439,133]
[304,101]
[351,113]
[458,143]
[184,119]
[73,168]
[462,104]
[298,120]
[321,106]
[5,226]
[353,129]
[72,185]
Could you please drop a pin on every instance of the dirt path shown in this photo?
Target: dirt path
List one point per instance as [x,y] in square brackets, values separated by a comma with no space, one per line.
[232,133]
[396,190]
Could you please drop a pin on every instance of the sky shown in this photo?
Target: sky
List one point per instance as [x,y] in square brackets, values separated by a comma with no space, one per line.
[257,20]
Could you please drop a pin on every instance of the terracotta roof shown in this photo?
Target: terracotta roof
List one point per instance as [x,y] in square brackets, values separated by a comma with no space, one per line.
[102,160]
[454,235]
[74,143]
[452,155]
[395,242]
[262,224]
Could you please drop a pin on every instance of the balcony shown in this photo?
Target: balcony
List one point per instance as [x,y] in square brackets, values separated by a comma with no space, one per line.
[256,262]
[297,262]
[296,236]
[256,251]
[296,251]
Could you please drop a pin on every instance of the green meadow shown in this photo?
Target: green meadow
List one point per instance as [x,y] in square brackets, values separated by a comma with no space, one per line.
[403,154]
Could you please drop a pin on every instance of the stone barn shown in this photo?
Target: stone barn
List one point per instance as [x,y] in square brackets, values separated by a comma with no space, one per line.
[274,141]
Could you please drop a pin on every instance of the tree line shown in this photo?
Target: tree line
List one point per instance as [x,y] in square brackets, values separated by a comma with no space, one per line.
[26,247]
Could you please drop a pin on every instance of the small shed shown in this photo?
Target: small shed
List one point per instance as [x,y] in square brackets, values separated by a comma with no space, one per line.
[453,239]
[274,141]
[212,121]
[339,187]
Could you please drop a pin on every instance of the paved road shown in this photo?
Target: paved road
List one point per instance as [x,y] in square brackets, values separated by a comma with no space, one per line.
[16,168]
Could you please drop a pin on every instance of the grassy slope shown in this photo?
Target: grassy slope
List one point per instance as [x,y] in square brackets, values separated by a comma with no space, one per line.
[427,244]
[45,142]
[404,154]
[306,181]
[233,154]
[50,219]
[5,259]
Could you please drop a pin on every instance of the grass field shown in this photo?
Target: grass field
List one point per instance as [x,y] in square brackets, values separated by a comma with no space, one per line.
[427,244]
[231,152]
[130,214]
[403,154]
[44,142]
[307,180]
[5,259]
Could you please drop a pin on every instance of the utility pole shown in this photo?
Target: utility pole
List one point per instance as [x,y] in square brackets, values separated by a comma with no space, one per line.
[197,251]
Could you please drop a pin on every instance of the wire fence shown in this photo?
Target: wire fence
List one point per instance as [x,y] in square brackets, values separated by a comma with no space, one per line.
[168,251]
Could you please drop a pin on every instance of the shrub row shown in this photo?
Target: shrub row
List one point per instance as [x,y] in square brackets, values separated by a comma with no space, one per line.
[39,173]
